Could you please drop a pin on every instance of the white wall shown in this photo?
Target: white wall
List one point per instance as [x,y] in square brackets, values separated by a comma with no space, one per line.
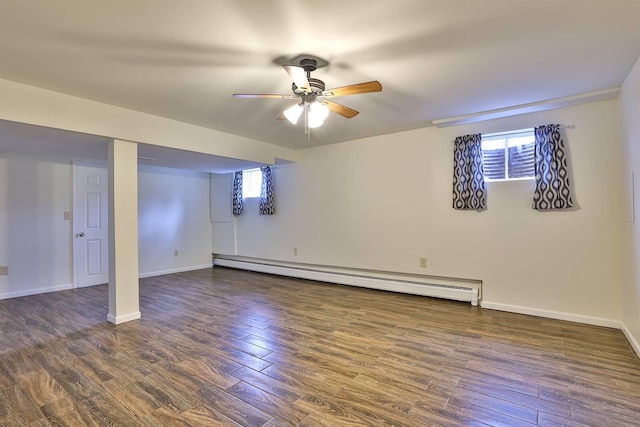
[630,135]
[36,241]
[383,202]
[222,222]
[173,208]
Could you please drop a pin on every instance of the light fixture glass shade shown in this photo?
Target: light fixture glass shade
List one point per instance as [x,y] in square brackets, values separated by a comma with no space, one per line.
[318,111]
[314,122]
[293,113]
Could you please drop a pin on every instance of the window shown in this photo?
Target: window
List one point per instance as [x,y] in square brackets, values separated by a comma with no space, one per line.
[251,183]
[508,155]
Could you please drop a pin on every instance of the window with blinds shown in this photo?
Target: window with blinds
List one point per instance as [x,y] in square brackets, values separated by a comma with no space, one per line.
[508,155]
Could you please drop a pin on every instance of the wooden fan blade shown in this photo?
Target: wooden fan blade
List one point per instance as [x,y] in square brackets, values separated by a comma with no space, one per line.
[298,75]
[341,109]
[367,87]
[262,95]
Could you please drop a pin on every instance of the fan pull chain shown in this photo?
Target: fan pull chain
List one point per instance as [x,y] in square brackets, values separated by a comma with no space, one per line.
[306,111]
[307,130]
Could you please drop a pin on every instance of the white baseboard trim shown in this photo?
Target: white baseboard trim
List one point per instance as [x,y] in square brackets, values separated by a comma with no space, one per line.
[174,270]
[35,291]
[67,286]
[116,320]
[632,340]
[589,320]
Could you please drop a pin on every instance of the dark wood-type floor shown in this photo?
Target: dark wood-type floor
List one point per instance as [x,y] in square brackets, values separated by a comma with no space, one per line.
[219,347]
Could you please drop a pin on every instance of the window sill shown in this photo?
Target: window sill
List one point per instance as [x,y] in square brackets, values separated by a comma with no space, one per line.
[510,179]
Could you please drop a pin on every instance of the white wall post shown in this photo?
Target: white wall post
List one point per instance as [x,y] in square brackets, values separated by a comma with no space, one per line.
[124,302]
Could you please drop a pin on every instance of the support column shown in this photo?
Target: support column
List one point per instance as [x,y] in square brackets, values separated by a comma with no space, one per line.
[124,304]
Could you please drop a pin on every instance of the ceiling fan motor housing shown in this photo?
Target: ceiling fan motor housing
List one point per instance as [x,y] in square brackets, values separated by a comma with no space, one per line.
[317,87]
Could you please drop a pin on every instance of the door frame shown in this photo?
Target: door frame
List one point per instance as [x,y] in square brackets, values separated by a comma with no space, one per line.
[74,228]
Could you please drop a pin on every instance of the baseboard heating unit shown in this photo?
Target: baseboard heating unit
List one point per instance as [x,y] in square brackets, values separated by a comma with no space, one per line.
[468,290]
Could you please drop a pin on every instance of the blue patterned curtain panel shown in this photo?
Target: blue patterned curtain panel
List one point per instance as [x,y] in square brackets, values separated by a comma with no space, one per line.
[469,191]
[267,206]
[238,207]
[552,175]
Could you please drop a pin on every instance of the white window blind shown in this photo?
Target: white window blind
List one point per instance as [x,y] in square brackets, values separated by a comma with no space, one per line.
[508,155]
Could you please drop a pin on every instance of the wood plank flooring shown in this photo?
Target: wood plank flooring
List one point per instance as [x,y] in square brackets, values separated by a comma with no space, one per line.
[219,347]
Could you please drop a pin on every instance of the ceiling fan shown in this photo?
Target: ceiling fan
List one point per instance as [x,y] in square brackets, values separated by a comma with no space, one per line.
[314,103]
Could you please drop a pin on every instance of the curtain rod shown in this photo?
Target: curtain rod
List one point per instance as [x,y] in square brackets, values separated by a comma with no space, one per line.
[523,130]
[519,131]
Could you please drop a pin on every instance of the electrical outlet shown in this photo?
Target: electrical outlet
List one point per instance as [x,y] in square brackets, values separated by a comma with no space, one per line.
[175,252]
[295,251]
[423,263]
[67,216]
[4,270]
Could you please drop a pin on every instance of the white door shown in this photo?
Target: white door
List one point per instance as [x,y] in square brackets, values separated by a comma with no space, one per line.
[91,250]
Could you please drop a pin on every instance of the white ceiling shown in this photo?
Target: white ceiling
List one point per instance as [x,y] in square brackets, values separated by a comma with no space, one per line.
[435,58]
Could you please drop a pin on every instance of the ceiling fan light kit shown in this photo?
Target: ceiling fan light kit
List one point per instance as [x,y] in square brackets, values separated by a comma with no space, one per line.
[319,110]
[293,113]
[314,105]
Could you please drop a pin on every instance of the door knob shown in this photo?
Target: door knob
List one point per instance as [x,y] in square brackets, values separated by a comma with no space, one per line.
[80,234]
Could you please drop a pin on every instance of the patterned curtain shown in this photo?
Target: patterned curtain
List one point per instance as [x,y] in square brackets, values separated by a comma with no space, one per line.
[238,207]
[469,191]
[552,175]
[267,206]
